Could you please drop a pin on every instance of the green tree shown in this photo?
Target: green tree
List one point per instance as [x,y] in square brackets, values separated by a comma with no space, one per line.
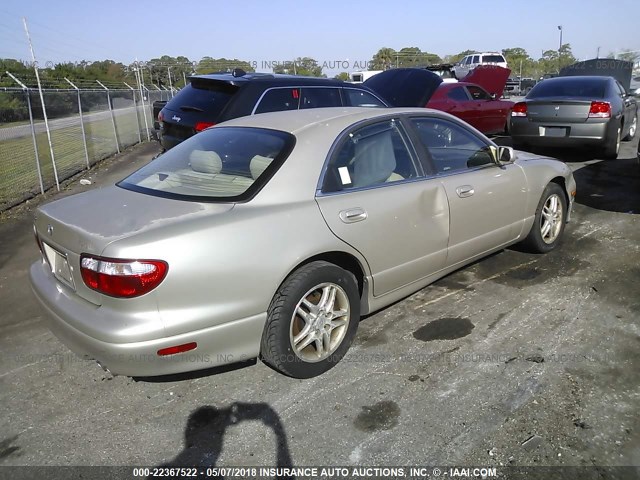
[520,63]
[306,66]
[344,76]
[456,58]
[211,65]
[384,59]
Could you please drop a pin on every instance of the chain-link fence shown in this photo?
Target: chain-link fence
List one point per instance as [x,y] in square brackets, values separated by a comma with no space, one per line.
[84,127]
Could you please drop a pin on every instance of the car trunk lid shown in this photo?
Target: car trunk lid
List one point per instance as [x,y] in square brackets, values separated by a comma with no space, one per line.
[558,110]
[405,87]
[492,78]
[88,222]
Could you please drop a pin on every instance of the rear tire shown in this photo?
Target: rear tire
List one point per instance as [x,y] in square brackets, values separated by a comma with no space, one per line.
[632,130]
[312,320]
[549,222]
[612,145]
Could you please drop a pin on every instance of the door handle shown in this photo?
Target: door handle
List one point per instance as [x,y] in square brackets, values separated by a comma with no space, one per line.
[465,191]
[353,215]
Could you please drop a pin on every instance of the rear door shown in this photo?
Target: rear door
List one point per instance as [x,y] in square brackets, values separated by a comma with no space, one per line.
[375,198]
[486,201]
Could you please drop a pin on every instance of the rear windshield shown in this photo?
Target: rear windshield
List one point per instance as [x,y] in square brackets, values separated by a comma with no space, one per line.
[574,87]
[205,96]
[493,58]
[219,164]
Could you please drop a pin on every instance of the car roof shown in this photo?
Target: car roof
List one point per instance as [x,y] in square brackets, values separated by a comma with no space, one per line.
[577,78]
[338,118]
[275,78]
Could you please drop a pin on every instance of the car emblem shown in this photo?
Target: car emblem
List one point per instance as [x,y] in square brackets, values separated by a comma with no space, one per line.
[557,108]
[176,118]
[50,229]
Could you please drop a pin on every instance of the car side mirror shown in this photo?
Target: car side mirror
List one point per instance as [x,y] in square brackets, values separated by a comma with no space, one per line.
[503,154]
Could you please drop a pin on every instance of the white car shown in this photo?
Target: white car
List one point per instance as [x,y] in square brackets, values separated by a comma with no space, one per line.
[468,63]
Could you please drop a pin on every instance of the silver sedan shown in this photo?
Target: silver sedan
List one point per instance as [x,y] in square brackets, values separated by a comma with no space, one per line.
[269,236]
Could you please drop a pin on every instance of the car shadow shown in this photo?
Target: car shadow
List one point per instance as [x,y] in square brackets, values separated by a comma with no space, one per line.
[611,185]
[207,426]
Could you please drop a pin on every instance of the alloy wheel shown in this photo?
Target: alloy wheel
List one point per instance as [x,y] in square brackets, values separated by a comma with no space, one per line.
[320,322]
[551,223]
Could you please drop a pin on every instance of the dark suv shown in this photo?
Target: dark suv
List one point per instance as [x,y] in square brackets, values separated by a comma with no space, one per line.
[211,99]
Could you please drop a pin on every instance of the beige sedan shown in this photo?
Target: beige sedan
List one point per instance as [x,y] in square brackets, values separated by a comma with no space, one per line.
[269,236]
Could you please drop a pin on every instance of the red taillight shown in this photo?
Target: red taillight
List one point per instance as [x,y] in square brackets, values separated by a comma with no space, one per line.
[600,110]
[160,117]
[122,278]
[519,110]
[177,349]
[202,125]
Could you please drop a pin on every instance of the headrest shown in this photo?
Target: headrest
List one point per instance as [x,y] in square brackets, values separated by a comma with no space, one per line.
[258,165]
[205,162]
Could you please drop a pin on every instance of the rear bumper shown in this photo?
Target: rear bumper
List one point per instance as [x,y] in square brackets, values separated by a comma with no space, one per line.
[169,141]
[231,342]
[578,134]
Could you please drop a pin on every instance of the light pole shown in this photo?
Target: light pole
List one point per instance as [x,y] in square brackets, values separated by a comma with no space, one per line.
[560,47]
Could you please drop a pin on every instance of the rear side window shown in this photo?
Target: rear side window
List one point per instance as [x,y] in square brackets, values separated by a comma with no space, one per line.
[203,96]
[360,98]
[320,97]
[370,156]
[493,59]
[458,94]
[575,87]
[476,59]
[222,163]
[279,100]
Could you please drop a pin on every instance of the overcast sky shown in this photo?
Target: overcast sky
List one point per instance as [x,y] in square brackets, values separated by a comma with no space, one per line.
[349,31]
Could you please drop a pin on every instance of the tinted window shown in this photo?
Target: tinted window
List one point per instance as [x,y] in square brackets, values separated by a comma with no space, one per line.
[467,60]
[493,58]
[478,93]
[458,94]
[476,59]
[373,155]
[451,146]
[219,163]
[203,96]
[360,98]
[575,87]
[320,97]
[278,100]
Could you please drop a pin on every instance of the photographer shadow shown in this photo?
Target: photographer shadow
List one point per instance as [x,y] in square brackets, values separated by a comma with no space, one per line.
[206,428]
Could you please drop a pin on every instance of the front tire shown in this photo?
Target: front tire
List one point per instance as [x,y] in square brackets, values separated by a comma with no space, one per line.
[549,222]
[632,130]
[312,320]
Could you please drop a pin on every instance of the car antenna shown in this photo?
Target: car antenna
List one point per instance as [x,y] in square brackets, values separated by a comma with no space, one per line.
[238,72]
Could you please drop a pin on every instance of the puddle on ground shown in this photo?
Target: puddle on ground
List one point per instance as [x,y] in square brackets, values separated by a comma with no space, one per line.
[381,416]
[447,328]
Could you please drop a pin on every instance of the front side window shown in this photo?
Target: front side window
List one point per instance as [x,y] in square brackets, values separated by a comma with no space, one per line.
[219,164]
[452,147]
[370,156]
[478,93]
